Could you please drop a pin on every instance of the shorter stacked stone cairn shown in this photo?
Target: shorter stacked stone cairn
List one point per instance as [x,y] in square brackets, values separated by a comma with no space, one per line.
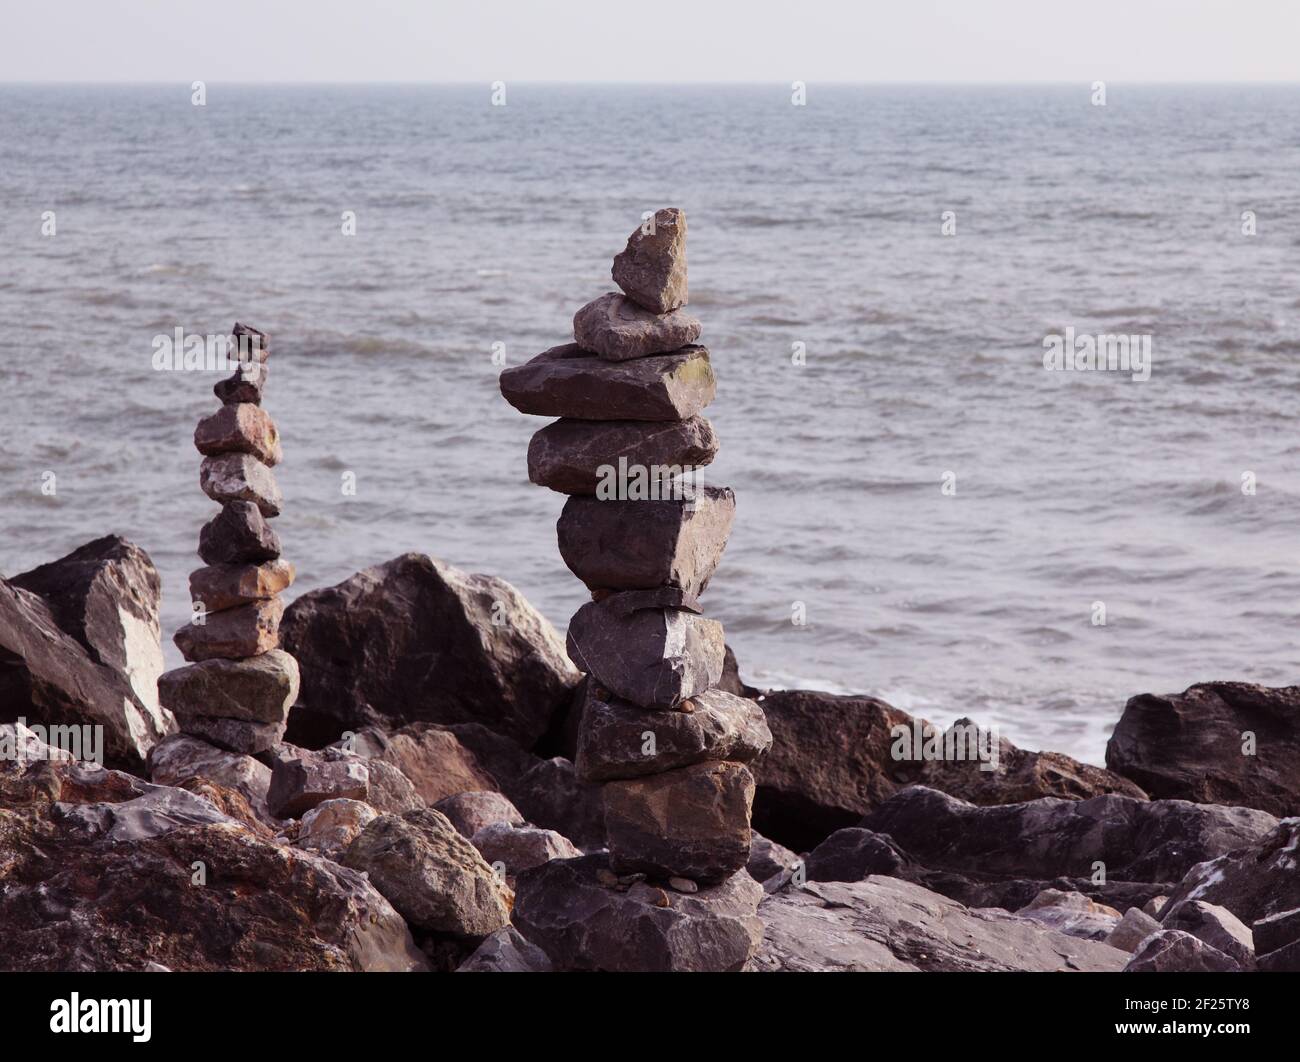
[670,748]
[237,691]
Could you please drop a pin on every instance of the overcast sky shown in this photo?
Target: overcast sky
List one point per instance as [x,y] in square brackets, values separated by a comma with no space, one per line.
[669,40]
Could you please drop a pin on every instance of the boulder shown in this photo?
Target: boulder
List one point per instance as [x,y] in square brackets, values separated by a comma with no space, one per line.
[432,757]
[105,595]
[298,785]
[175,883]
[431,874]
[242,427]
[639,545]
[390,791]
[438,646]
[767,858]
[259,689]
[180,758]
[618,330]
[227,478]
[514,849]
[852,854]
[568,381]
[731,682]
[239,534]
[472,811]
[506,951]
[1132,930]
[1216,926]
[652,268]
[653,657]
[1277,942]
[884,923]
[222,586]
[551,795]
[618,739]
[48,678]
[626,459]
[563,907]
[691,823]
[233,634]
[1072,913]
[332,825]
[1193,745]
[1173,951]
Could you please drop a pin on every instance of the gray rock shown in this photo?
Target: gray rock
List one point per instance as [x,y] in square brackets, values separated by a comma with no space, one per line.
[617,329]
[1154,906]
[581,924]
[1216,926]
[299,785]
[615,736]
[222,586]
[506,951]
[1277,942]
[653,657]
[767,858]
[332,825]
[520,848]
[551,795]
[228,478]
[472,811]
[625,459]
[568,381]
[692,822]
[242,427]
[652,268]
[1132,930]
[639,545]
[155,812]
[884,923]
[1072,913]
[233,634]
[238,534]
[235,735]
[246,385]
[259,689]
[433,876]
[390,791]
[179,758]
[1173,951]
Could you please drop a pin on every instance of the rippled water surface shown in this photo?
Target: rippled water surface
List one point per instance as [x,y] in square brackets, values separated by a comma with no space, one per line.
[817,225]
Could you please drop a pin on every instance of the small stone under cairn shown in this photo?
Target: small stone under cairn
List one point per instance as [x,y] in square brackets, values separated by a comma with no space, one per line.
[669,748]
[237,691]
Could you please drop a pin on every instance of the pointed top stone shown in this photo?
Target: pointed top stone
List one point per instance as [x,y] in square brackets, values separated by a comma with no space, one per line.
[651,270]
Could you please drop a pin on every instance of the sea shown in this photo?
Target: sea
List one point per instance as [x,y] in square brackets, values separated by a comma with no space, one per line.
[927,512]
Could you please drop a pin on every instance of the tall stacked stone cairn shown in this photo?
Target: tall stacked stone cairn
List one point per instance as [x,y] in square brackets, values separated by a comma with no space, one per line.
[670,749]
[237,690]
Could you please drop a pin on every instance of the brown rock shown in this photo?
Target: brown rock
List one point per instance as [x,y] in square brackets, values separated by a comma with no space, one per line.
[623,459]
[240,477]
[260,689]
[652,268]
[432,757]
[237,735]
[245,386]
[234,633]
[238,534]
[222,586]
[618,329]
[1132,929]
[299,785]
[690,823]
[1173,951]
[634,545]
[242,428]
[472,811]
[568,381]
[653,657]
[520,848]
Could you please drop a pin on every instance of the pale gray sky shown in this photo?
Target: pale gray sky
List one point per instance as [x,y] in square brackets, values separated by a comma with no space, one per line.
[670,40]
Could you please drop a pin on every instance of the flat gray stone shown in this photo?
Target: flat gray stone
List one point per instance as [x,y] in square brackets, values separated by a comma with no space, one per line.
[260,689]
[618,329]
[629,458]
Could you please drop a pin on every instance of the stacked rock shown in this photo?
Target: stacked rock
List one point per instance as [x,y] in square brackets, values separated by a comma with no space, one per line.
[237,691]
[669,747]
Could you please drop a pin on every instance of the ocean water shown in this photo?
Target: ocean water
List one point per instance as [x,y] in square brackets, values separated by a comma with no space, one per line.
[818,225]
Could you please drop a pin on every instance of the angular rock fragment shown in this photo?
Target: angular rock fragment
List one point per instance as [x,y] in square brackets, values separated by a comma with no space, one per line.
[222,586]
[181,758]
[582,924]
[617,329]
[245,386]
[332,825]
[520,848]
[238,534]
[692,822]
[624,459]
[621,740]
[259,689]
[654,657]
[568,381]
[472,811]
[239,477]
[299,785]
[432,757]
[767,858]
[234,633]
[652,268]
[433,876]
[635,545]
[1132,930]
[506,951]
[243,428]
[1173,951]
[1216,926]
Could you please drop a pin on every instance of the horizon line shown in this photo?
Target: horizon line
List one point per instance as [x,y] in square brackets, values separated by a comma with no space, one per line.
[652,83]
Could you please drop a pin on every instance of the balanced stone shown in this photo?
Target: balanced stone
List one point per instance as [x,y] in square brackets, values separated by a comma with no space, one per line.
[584,457]
[222,586]
[233,633]
[653,657]
[235,735]
[250,343]
[691,823]
[618,329]
[240,477]
[260,689]
[240,428]
[299,785]
[652,268]
[621,740]
[245,386]
[633,545]
[239,534]
[568,381]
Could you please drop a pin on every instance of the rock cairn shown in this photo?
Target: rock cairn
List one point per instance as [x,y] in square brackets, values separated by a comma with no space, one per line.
[669,748]
[237,690]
